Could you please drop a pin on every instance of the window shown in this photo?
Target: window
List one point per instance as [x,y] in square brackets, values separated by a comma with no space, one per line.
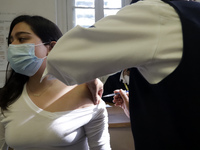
[86,12]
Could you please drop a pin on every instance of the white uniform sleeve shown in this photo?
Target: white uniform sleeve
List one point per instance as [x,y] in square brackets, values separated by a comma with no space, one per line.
[97,130]
[116,42]
[3,145]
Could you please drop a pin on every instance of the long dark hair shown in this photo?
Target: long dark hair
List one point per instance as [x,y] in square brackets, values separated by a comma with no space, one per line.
[47,31]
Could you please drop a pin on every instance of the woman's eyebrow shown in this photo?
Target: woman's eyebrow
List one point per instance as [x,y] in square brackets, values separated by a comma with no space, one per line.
[19,33]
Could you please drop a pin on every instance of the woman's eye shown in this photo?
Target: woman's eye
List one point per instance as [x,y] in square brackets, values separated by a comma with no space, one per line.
[22,39]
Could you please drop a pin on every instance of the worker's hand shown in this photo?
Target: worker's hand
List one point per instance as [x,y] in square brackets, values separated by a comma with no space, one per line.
[122,100]
[96,88]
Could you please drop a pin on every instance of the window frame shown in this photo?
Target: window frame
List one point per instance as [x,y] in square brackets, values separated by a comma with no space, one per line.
[65,12]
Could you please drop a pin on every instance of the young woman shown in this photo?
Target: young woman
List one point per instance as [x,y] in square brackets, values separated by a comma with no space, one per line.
[45,114]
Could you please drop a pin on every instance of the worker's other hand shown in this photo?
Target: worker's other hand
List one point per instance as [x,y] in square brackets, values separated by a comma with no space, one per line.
[96,88]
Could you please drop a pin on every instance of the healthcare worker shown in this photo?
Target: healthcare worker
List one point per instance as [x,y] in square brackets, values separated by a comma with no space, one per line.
[159,40]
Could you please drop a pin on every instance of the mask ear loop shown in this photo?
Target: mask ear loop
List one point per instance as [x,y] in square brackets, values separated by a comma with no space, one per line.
[45,43]
[45,74]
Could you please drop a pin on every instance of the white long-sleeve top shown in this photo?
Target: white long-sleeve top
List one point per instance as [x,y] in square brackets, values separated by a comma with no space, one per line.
[27,127]
[146,35]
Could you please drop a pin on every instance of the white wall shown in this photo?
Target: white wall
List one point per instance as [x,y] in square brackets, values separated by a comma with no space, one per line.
[9,9]
[45,8]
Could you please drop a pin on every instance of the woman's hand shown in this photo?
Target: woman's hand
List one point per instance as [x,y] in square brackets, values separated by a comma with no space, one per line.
[122,100]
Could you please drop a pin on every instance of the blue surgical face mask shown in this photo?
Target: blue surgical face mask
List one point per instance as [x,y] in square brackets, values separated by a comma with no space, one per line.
[23,60]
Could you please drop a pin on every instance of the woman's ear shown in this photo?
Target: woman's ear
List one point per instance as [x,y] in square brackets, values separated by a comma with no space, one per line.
[50,46]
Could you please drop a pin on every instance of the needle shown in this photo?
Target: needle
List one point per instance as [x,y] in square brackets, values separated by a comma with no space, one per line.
[113,94]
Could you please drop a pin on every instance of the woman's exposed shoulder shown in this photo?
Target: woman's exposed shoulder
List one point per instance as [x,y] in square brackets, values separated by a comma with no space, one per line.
[69,98]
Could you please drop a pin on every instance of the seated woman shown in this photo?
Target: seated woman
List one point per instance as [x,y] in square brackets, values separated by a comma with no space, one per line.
[45,114]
